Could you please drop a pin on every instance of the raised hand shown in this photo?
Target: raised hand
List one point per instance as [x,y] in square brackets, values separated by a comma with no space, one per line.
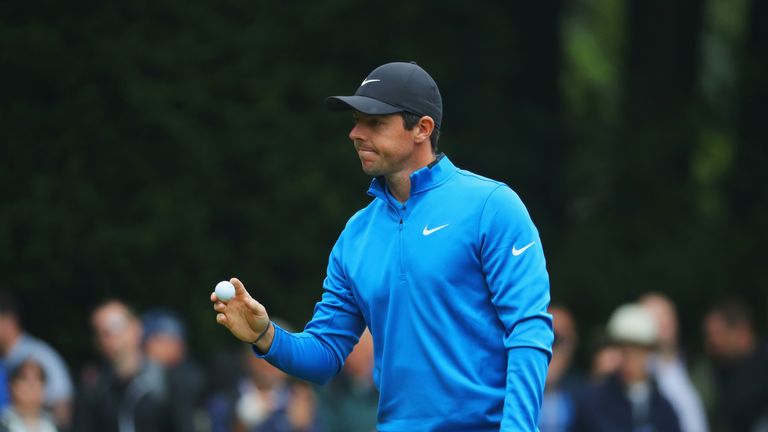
[246,318]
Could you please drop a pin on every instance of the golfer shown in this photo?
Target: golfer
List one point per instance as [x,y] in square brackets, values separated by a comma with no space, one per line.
[445,268]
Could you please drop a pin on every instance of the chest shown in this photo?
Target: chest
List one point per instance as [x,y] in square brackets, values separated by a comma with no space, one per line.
[424,252]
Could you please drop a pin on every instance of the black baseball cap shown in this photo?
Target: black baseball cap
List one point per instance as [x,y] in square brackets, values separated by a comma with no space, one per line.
[393,88]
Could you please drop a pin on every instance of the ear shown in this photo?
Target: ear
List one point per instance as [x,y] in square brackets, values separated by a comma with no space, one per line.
[424,128]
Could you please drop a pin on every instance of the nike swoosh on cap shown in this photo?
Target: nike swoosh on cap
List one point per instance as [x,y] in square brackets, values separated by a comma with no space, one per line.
[369,81]
[517,252]
[428,231]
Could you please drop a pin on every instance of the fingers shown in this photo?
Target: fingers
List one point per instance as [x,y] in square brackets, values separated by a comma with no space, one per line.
[221,319]
[239,287]
[219,307]
[255,306]
[214,299]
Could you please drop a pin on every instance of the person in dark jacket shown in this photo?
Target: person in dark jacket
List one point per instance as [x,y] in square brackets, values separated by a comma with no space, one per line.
[738,362]
[629,399]
[165,344]
[130,393]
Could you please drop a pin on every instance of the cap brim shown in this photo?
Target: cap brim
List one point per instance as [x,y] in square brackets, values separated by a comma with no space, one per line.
[362,104]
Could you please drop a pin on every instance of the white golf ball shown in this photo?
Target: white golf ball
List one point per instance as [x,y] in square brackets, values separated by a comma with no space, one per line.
[225,291]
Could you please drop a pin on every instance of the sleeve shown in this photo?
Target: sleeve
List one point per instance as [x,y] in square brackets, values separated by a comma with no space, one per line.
[318,353]
[516,274]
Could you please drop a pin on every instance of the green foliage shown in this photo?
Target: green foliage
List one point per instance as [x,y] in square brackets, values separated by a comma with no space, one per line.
[150,150]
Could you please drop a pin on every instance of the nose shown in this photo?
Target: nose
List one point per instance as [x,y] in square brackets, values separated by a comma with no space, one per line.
[356,133]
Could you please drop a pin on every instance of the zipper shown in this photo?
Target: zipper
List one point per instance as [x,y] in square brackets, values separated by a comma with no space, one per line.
[402,253]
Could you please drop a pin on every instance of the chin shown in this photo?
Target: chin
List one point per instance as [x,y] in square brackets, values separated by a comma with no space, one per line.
[370,170]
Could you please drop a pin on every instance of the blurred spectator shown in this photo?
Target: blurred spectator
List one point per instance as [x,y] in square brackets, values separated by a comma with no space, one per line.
[265,400]
[669,368]
[739,367]
[606,359]
[271,402]
[165,344]
[558,406]
[225,375]
[16,346]
[4,398]
[27,412]
[349,402]
[627,400]
[129,393]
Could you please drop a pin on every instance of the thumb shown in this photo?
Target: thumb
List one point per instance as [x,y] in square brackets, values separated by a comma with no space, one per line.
[239,287]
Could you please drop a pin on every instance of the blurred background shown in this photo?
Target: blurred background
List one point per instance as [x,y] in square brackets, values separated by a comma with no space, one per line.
[151,149]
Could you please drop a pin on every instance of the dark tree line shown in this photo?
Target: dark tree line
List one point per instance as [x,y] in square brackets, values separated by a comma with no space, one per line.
[152,149]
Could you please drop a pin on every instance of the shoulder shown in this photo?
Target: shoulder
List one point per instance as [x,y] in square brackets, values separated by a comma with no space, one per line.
[41,351]
[32,344]
[9,420]
[476,183]
[491,192]
[363,216]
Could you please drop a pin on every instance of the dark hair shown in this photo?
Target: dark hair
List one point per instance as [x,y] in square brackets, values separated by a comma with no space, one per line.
[734,311]
[8,304]
[15,372]
[409,122]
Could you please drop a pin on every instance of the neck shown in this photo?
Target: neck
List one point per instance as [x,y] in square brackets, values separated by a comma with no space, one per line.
[8,343]
[128,366]
[27,413]
[400,186]
[668,353]
[399,183]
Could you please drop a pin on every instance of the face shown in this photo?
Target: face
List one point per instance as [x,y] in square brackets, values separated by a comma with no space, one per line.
[383,144]
[719,336]
[634,365]
[360,361]
[606,361]
[565,344]
[117,333]
[5,332]
[263,374]
[27,389]
[664,313]
[165,349]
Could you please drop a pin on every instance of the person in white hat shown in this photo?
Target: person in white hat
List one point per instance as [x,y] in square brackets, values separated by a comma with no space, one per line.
[628,400]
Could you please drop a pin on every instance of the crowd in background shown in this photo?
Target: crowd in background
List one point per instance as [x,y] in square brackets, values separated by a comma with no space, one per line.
[639,379]
[149,382]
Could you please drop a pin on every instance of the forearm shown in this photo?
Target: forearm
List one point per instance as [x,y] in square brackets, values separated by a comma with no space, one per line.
[302,355]
[526,375]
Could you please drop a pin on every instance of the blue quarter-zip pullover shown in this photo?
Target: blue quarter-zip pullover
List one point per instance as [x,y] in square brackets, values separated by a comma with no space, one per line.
[454,289]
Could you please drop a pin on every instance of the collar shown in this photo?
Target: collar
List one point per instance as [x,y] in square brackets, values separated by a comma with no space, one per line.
[423,179]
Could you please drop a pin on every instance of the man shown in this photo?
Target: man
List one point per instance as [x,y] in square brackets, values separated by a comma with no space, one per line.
[165,344]
[350,400]
[738,367]
[669,368]
[627,400]
[444,267]
[16,345]
[558,406]
[130,393]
